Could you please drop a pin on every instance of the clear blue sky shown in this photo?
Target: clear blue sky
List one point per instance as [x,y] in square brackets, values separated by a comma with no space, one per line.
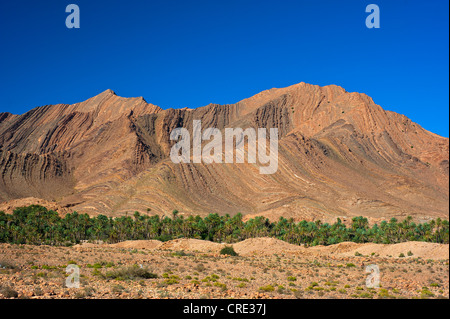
[191,53]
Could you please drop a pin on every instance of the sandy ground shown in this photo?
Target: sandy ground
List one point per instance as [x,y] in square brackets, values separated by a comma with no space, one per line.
[190,268]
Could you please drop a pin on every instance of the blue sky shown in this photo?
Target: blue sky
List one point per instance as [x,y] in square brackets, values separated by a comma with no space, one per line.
[191,53]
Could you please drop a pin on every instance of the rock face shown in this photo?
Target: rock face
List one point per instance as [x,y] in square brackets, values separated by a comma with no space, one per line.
[340,155]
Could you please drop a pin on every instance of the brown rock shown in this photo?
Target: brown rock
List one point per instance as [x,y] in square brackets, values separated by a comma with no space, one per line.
[340,154]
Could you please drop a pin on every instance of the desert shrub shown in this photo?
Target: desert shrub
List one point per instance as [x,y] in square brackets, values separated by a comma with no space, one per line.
[297,293]
[268,288]
[38,291]
[8,292]
[214,277]
[5,264]
[291,278]
[331,283]
[118,289]
[228,250]
[281,290]
[200,268]
[241,279]
[426,293]
[181,253]
[130,272]
[172,280]
[222,286]
[384,293]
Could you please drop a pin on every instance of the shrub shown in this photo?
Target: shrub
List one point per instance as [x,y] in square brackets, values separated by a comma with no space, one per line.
[292,278]
[4,264]
[171,281]
[214,277]
[199,268]
[268,288]
[8,292]
[298,294]
[130,272]
[241,279]
[38,291]
[181,253]
[222,286]
[118,288]
[425,293]
[96,272]
[410,253]
[331,283]
[384,293]
[228,250]
[281,290]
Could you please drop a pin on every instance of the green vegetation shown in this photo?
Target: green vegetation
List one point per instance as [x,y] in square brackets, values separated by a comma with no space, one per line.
[425,293]
[131,273]
[228,251]
[268,288]
[37,225]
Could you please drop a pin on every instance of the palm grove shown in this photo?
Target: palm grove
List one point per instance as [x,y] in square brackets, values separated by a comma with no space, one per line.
[37,225]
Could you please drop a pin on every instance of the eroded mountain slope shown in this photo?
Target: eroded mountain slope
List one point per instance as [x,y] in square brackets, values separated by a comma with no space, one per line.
[340,154]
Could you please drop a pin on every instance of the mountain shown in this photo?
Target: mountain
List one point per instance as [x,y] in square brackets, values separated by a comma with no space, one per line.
[340,155]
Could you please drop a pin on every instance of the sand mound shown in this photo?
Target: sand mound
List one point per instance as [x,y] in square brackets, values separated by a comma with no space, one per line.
[192,245]
[270,246]
[418,249]
[138,244]
[265,246]
[341,248]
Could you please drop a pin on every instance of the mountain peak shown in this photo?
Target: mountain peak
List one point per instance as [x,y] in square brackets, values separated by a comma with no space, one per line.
[107,92]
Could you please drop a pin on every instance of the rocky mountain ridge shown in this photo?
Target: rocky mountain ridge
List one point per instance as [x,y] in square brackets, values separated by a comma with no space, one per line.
[340,154]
